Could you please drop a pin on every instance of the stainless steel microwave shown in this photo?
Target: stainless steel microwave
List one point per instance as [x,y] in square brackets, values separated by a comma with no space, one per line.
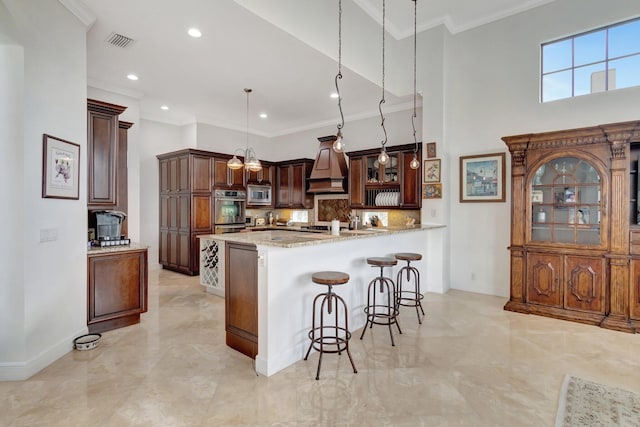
[258,195]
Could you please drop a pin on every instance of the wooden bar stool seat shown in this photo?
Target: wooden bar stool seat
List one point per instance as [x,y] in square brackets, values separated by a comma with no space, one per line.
[382,307]
[409,298]
[332,335]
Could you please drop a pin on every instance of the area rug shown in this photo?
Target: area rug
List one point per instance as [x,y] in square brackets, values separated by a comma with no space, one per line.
[585,403]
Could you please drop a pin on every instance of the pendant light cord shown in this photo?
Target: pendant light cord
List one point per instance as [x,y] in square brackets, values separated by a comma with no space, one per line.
[382,100]
[339,75]
[415,50]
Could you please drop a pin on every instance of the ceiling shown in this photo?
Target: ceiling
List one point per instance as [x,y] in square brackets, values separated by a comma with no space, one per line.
[285,50]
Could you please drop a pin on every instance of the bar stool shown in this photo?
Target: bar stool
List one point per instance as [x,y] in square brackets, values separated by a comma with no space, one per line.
[332,338]
[381,309]
[414,297]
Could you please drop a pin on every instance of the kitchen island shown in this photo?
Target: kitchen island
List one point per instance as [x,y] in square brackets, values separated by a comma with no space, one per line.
[274,268]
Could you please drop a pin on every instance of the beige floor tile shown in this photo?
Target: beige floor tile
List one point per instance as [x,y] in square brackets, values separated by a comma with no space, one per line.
[469,364]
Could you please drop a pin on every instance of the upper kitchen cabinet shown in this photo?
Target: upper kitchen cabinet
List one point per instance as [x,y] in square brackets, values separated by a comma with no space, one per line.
[186,207]
[291,184]
[224,177]
[102,154]
[264,176]
[392,185]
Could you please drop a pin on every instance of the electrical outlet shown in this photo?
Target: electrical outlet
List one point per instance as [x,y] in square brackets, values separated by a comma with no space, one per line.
[48,235]
[473,276]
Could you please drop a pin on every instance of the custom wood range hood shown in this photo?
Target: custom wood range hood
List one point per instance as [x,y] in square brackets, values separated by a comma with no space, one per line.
[329,173]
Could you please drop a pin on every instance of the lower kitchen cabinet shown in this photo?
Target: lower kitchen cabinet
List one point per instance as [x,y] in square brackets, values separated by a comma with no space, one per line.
[117,287]
[241,298]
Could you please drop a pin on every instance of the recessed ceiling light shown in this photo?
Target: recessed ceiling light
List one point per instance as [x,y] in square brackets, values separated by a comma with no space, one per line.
[195,33]
[164,107]
[263,115]
[132,77]
[334,95]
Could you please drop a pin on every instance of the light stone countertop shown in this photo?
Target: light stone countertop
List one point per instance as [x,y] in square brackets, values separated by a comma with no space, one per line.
[293,237]
[112,249]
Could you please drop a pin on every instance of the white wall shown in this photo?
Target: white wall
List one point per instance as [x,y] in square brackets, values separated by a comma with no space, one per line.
[155,138]
[51,98]
[491,90]
[358,135]
[12,343]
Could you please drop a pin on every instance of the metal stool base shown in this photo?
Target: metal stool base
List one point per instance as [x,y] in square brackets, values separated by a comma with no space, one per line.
[382,314]
[410,298]
[335,337]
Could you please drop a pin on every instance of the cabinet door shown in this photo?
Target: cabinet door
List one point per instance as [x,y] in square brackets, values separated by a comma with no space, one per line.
[201,211]
[283,199]
[566,207]
[356,182]
[584,283]
[544,279]
[225,177]
[200,174]
[411,183]
[634,289]
[122,195]
[117,289]
[263,176]
[102,152]
[241,297]
[297,189]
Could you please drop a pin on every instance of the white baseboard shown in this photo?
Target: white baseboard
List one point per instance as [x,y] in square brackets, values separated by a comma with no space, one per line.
[22,370]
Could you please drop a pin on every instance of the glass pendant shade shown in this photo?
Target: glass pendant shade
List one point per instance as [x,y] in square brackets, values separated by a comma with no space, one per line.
[234,163]
[383,157]
[338,144]
[415,164]
[253,164]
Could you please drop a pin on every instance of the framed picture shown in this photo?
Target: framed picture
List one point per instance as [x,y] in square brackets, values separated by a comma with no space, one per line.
[432,191]
[432,170]
[482,178]
[60,168]
[431,150]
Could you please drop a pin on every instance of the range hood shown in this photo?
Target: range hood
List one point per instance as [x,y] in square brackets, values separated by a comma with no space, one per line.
[329,173]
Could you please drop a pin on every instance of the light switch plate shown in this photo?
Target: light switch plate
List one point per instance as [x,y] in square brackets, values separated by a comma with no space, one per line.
[48,234]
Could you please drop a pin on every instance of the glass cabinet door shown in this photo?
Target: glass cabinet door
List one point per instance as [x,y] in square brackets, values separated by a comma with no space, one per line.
[566,202]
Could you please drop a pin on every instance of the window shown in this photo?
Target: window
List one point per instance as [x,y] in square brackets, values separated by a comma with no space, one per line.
[600,60]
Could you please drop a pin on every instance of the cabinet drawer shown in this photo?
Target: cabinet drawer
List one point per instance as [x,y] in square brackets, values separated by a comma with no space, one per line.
[634,242]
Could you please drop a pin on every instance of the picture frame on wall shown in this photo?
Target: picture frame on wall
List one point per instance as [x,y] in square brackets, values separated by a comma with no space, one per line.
[431,150]
[432,191]
[60,168]
[432,170]
[482,178]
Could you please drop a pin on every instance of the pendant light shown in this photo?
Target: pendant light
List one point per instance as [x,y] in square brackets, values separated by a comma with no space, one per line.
[251,162]
[414,164]
[338,144]
[383,158]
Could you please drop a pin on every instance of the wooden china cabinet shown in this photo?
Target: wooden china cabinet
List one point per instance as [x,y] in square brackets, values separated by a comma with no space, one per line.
[575,242]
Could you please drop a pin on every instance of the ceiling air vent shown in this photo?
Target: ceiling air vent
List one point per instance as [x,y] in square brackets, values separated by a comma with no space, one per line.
[119,40]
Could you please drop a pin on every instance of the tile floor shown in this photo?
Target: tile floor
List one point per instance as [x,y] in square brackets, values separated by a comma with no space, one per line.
[469,364]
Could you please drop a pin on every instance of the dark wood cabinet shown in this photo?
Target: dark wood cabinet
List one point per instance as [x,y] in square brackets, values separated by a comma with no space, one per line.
[241,298]
[102,154]
[393,185]
[291,184]
[575,244]
[186,207]
[225,178]
[117,288]
[123,173]
[264,176]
